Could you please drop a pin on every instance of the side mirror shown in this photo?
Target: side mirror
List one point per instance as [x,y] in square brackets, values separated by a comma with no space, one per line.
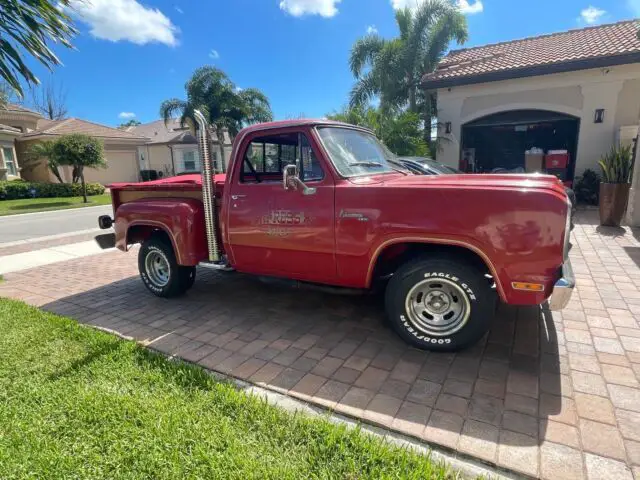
[291,180]
[290,177]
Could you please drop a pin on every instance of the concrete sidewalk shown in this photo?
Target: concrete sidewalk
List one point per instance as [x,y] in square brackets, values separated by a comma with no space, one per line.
[47,256]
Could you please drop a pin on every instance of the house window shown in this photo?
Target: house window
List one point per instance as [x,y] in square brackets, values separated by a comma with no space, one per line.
[189,161]
[9,161]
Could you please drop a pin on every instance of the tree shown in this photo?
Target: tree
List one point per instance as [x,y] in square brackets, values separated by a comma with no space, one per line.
[224,105]
[392,69]
[79,151]
[400,130]
[39,151]
[30,25]
[130,123]
[50,101]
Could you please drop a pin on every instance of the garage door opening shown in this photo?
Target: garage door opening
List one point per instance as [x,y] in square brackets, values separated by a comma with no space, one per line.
[499,141]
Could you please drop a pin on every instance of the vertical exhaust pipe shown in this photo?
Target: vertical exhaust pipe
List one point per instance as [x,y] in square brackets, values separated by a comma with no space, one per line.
[208,188]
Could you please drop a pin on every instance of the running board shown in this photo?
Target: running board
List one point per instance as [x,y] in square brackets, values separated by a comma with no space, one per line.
[221,266]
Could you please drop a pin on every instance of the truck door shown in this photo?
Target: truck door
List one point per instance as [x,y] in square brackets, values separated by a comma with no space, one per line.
[278,231]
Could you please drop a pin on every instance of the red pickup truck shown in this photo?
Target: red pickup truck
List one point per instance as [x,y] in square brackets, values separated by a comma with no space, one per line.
[319,201]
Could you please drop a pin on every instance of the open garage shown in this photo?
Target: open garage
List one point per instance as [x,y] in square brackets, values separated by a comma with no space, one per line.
[498,142]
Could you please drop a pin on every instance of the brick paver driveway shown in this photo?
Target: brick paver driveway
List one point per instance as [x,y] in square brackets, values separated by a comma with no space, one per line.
[555,396]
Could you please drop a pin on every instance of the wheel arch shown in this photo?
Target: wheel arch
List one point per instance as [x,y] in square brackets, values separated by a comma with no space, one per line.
[390,255]
[138,232]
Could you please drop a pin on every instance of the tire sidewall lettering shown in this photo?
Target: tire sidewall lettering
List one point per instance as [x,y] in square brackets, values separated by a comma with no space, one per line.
[447,276]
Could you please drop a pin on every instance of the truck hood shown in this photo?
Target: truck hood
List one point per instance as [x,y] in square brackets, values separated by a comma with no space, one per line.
[473,181]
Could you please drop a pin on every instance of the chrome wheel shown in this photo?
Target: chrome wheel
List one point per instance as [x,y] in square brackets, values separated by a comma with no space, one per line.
[157,267]
[437,307]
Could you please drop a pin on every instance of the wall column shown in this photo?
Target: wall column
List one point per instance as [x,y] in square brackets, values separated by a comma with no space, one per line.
[633,208]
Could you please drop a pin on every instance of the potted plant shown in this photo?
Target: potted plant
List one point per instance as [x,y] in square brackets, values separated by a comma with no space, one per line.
[614,189]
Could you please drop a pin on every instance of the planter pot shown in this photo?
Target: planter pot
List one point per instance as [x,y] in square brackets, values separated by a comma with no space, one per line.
[613,203]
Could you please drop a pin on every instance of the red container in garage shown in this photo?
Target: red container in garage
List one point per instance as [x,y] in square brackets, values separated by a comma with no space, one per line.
[553,160]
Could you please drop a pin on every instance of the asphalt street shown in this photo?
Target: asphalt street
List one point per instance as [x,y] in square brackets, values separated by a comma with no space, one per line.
[34,225]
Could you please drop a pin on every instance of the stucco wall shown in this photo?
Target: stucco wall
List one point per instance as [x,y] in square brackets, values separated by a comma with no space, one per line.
[616,89]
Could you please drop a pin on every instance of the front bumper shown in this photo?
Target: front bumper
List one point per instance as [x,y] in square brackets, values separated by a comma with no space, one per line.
[563,288]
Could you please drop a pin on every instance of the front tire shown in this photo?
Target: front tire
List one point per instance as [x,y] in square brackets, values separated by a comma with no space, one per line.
[160,271]
[440,304]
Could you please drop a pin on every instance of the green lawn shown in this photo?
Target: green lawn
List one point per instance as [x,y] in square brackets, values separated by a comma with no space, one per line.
[79,403]
[27,205]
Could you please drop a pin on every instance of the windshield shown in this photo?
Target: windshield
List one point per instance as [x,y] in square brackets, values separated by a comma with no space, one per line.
[354,152]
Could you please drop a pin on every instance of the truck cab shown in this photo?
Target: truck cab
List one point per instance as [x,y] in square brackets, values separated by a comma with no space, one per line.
[321,202]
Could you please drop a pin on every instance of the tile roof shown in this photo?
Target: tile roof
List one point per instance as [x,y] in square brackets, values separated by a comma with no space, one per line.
[591,47]
[75,125]
[12,107]
[172,132]
[7,129]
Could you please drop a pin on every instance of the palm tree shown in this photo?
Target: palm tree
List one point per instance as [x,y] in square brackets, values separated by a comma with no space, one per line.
[392,69]
[42,151]
[211,91]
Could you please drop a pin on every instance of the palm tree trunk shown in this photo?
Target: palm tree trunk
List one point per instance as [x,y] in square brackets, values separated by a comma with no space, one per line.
[56,172]
[412,99]
[84,186]
[223,163]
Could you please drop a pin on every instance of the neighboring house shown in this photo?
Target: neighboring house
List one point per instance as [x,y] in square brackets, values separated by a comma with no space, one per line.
[9,167]
[26,127]
[577,90]
[120,149]
[173,149]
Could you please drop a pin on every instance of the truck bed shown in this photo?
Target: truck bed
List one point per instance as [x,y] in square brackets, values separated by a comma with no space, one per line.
[180,186]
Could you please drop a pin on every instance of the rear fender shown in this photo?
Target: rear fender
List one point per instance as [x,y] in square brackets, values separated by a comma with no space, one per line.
[181,219]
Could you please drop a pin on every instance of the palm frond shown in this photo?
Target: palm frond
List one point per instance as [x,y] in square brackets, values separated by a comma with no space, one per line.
[30,26]
[169,108]
[364,90]
[449,27]
[364,53]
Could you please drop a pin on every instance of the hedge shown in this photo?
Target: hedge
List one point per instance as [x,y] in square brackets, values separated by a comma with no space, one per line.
[11,190]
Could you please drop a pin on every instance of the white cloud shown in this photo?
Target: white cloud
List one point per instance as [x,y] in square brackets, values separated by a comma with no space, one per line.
[591,14]
[298,8]
[634,6]
[128,20]
[371,29]
[178,9]
[214,54]
[126,115]
[468,7]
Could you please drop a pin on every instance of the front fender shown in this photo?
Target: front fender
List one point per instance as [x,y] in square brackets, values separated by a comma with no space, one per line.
[182,219]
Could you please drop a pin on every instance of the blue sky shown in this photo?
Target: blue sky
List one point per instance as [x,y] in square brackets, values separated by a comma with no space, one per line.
[133,54]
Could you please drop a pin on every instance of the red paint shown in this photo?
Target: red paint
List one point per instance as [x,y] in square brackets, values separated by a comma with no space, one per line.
[515,223]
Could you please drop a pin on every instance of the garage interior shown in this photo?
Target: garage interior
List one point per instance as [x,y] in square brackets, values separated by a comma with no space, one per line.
[499,141]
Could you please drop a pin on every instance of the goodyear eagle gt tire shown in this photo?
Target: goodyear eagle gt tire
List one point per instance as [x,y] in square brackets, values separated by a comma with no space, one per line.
[160,271]
[440,304]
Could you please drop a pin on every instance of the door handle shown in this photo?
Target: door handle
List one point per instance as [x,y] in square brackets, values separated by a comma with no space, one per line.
[236,197]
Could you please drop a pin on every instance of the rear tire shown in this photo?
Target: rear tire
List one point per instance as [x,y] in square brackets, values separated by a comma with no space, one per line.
[440,304]
[160,271]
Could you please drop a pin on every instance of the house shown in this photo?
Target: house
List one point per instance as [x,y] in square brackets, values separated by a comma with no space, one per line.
[28,127]
[172,149]
[9,168]
[577,91]
[14,120]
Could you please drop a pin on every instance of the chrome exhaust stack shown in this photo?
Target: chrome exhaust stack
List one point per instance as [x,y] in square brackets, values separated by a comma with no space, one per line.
[208,188]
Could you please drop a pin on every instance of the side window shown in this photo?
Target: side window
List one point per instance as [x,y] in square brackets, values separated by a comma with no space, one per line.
[266,157]
[254,158]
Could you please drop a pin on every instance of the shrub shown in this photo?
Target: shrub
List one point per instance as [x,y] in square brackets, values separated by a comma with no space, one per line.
[11,190]
[587,188]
